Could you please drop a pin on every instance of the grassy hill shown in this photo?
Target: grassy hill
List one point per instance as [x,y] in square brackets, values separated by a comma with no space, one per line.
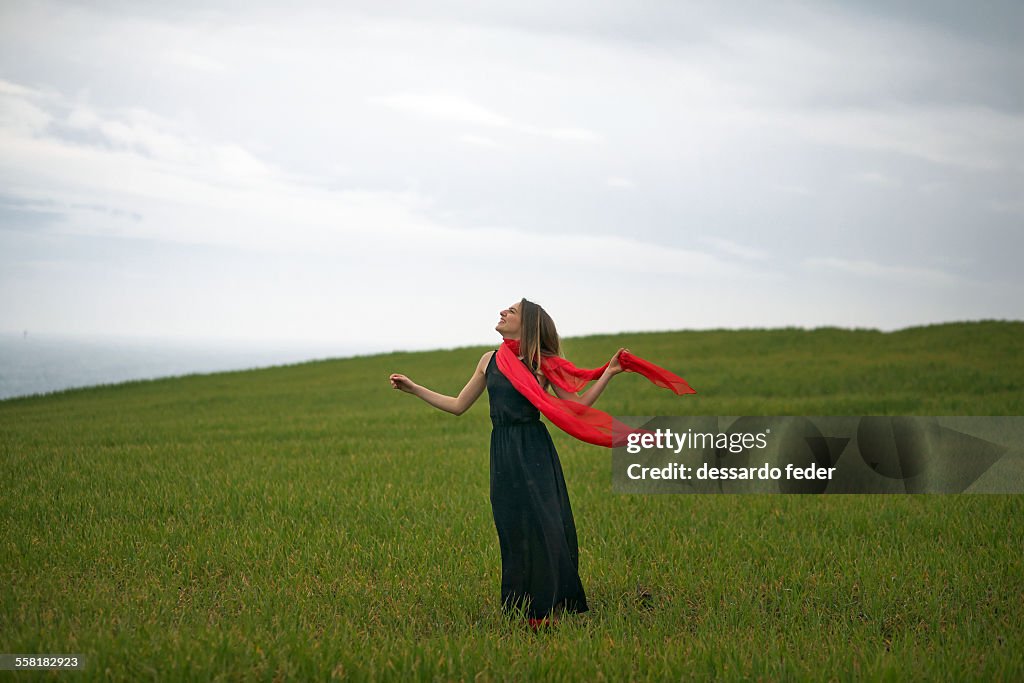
[308,520]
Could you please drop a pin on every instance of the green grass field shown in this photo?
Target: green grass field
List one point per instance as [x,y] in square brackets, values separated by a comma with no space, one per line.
[309,522]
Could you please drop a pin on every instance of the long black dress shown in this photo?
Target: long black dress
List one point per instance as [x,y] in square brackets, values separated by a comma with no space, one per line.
[536,531]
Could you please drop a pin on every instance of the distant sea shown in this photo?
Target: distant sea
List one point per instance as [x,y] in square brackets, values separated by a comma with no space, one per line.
[40,363]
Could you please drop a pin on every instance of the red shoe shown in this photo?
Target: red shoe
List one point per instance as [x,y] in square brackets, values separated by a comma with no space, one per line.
[537,624]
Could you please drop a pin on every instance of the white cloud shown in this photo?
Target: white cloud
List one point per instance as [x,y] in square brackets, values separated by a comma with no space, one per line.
[22,116]
[190,192]
[457,109]
[567,134]
[194,60]
[445,107]
[17,90]
[479,140]
[136,129]
[786,188]
[970,137]
[734,249]
[876,178]
[906,275]
[348,157]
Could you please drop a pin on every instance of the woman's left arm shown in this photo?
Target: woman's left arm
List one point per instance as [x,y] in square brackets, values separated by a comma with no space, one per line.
[595,389]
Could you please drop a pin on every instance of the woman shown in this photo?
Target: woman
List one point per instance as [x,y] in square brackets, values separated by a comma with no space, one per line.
[529,500]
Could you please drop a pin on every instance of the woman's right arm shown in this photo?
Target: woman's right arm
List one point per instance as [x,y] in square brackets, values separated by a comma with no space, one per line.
[456,405]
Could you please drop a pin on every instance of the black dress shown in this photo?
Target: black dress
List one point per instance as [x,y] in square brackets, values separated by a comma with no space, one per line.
[536,531]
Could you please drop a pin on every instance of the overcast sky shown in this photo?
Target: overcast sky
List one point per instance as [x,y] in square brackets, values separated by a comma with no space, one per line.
[396,173]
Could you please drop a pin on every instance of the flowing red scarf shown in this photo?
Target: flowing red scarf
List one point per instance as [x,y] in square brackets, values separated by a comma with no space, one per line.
[585,423]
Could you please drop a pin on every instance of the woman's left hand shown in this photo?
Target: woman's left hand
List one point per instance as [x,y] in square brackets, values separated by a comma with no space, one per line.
[614,365]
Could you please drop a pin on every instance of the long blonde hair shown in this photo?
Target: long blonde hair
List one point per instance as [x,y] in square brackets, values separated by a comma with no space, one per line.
[538,336]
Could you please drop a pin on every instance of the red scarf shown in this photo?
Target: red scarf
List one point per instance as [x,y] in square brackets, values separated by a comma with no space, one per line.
[585,423]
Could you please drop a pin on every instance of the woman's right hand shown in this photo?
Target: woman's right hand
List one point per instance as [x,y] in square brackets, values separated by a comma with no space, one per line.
[402,383]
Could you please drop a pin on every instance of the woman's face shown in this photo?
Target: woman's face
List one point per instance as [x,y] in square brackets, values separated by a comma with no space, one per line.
[510,324]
